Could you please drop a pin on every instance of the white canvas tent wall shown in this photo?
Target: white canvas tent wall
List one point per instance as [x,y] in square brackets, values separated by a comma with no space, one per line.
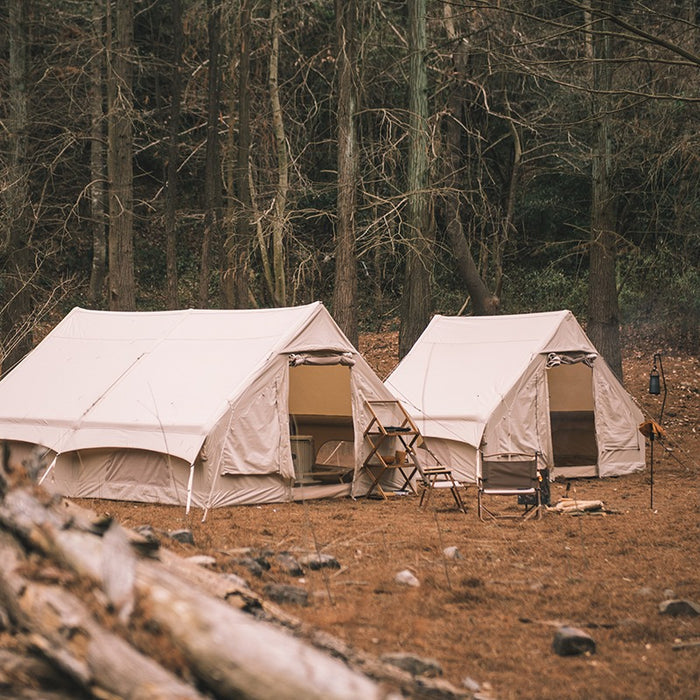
[519,383]
[178,405]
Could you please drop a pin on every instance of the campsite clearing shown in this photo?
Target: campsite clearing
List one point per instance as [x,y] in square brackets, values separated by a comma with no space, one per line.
[490,614]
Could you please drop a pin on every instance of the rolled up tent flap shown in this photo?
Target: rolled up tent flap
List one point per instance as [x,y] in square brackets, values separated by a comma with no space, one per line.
[346,359]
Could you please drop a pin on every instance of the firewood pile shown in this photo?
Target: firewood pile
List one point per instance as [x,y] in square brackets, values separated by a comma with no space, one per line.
[89,609]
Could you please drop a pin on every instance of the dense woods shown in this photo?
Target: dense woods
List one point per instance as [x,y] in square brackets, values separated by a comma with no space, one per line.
[390,158]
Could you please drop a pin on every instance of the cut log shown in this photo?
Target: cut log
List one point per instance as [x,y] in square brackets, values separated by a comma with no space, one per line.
[65,632]
[233,654]
[200,615]
[21,669]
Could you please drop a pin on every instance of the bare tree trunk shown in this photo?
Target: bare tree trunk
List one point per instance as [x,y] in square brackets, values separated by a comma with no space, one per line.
[171,192]
[503,234]
[16,219]
[122,282]
[345,287]
[483,302]
[603,309]
[212,178]
[417,302]
[97,159]
[237,245]
[280,205]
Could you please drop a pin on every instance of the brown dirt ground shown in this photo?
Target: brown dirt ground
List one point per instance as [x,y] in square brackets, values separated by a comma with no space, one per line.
[491,614]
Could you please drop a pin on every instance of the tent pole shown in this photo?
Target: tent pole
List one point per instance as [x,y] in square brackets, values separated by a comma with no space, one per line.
[189,489]
[651,470]
[48,470]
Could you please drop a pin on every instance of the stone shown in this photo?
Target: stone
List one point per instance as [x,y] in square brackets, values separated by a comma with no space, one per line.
[284,593]
[415,665]
[251,564]
[184,536]
[571,641]
[261,559]
[147,532]
[471,685]
[147,542]
[679,608]
[406,578]
[289,564]
[320,561]
[451,553]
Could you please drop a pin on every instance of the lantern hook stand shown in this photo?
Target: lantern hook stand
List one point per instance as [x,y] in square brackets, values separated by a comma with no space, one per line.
[655,381]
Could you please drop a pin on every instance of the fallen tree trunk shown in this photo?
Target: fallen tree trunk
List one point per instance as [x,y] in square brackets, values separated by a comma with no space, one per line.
[20,668]
[64,630]
[231,653]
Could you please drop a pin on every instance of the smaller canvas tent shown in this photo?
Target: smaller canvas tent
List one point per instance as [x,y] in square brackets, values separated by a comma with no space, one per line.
[519,383]
[195,406]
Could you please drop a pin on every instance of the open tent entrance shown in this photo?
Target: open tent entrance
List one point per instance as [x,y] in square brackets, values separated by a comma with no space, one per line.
[572,419]
[321,422]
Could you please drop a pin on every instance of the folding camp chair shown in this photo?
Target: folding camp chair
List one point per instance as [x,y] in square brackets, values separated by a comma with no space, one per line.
[510,474]
[440,477]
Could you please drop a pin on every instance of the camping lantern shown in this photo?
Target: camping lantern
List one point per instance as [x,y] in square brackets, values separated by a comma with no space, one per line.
[654,380]
[657,378]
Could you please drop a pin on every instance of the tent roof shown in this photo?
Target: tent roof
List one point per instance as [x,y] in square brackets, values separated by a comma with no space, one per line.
[461,368]
[151,380]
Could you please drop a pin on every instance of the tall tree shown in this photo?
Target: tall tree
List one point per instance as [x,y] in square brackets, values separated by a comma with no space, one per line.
[280,203]
[212,174]
[417,299]
[122,281]
[345,287]
[97,158]
[239,219]
[171,192]
[483,302]
[603,306]
[16,256]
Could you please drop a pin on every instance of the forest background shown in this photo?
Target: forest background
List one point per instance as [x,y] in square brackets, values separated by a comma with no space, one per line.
[391,158]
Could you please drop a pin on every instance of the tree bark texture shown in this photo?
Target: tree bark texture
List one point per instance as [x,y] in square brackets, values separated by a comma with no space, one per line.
[68,635]
[603,308]
[345,287]
[97,159]
[483,302]
[17,258]
[171,191]
[238,238]
[417,301]
[212,176]
[122,282]
[280,205]
[231,653]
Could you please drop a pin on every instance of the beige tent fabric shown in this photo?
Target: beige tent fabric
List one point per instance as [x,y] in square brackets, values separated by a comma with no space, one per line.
[186,406]
[482,383]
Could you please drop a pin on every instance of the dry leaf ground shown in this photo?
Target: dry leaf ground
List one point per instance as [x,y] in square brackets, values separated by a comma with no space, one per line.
[490,615]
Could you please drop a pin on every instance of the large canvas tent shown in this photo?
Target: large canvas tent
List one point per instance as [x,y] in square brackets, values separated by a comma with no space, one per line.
[205,407]
[519,383]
